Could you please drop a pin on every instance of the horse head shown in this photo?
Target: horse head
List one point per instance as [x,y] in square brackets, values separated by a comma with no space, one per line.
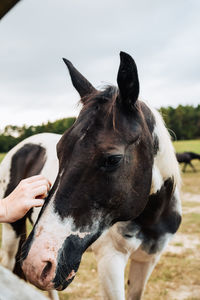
[105,173]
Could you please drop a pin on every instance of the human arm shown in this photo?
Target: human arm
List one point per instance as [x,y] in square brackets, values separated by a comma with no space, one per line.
[23,198]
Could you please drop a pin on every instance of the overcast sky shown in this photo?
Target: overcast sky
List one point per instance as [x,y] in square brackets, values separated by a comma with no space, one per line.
[162,36]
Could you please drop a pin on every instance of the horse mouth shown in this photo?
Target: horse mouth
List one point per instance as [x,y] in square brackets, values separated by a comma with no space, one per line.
[71,275]
[61,286]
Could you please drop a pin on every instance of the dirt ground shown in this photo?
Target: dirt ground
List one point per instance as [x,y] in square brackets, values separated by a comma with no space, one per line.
[187,243]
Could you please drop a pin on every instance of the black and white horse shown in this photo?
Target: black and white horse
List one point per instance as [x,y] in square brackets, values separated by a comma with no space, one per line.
[34,155]
[186,158]
[117,188]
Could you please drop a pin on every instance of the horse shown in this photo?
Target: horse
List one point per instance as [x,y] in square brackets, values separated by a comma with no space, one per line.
[186,158]
[34,155]
[117,189]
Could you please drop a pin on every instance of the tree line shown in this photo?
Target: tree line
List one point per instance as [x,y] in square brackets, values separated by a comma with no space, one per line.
[12,135]
[183,123]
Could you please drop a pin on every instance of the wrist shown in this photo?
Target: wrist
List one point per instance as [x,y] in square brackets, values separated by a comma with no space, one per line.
[3,210]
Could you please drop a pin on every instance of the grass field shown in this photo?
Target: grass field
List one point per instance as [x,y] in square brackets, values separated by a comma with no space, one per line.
[191,180]
[191,145]
[2,156]
[177,275]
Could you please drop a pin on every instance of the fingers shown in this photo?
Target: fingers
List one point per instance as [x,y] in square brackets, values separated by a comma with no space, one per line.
[35,179]
[40,191]
[38,183]
[35,203]
[33,190]
[35,186]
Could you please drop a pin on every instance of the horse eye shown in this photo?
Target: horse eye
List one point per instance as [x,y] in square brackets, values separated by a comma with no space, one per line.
[111,162]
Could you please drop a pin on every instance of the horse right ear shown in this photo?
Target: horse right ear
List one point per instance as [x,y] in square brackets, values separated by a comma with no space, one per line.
[81,84]
[128,82]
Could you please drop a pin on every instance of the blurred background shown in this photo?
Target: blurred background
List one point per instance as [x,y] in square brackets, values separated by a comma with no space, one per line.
[36,95]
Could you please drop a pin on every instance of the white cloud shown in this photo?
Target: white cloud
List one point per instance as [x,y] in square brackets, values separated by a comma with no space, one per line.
[162,36]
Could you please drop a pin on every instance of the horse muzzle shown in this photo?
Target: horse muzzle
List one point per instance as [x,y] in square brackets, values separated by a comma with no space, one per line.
[39,270]
[49,266]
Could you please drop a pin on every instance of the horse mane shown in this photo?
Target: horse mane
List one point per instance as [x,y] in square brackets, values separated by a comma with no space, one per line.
[107,93]
[168,168]
[93,102]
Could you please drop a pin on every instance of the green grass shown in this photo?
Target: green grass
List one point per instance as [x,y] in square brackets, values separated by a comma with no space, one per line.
[190,179]
[191,205]
[2,156]
[191,224]
[190,145]
[178,244]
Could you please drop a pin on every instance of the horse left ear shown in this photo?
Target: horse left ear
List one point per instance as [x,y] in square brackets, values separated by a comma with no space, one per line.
[81,84]
[128,82]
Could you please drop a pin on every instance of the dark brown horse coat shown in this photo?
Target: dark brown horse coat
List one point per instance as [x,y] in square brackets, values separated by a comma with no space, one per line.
[117,186]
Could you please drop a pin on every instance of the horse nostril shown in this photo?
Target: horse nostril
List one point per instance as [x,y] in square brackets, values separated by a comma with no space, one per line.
[46,270]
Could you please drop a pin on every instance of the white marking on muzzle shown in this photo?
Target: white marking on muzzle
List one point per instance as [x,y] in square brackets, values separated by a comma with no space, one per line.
[50,234]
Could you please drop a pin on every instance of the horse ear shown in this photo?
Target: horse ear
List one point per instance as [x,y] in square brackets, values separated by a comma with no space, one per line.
[81,84]
[128,82]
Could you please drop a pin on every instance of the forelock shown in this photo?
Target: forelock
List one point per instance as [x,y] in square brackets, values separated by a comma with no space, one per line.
[95,104]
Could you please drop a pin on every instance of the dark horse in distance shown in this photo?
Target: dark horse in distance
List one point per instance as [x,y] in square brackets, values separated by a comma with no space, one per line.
[186,158]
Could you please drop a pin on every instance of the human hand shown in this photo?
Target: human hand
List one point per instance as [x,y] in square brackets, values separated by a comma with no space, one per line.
[29,193]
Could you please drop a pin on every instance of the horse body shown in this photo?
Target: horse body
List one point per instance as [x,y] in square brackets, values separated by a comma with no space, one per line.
[34,155]
[117,189]
[186,158]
